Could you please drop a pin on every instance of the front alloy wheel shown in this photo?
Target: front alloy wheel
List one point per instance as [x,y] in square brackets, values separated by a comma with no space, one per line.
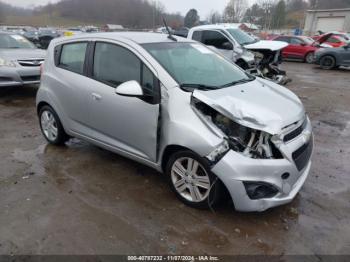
[192,181]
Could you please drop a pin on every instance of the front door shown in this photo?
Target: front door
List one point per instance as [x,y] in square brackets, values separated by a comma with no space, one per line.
[296,48]
[129,124]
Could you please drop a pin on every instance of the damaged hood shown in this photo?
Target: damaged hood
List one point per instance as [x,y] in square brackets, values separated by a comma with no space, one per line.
[267,45]
[259,104]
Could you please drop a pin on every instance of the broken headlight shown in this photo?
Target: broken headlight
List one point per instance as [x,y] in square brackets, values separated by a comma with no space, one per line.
[247,141]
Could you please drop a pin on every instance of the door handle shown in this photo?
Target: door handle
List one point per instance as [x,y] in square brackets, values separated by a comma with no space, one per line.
[96,96]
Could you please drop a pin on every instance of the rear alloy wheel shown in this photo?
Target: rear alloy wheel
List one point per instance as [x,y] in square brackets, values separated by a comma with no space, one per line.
[327,62]
[51,126]
[192,181]
[310,58]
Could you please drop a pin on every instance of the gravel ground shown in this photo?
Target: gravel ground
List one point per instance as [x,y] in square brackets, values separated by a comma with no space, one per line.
[80,199]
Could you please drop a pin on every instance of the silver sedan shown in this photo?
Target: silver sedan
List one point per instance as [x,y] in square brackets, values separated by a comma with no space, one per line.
[20,60]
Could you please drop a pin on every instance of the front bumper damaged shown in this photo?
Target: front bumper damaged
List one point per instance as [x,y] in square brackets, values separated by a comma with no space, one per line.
[284,175]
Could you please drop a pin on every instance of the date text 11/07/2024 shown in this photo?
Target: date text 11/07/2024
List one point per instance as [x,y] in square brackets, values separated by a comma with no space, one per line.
[173,258]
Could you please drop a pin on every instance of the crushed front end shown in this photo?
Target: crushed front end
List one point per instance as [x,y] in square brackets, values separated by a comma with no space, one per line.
[260,170]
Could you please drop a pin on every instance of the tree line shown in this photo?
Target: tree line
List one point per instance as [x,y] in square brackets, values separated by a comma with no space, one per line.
[129,13]
[140,14]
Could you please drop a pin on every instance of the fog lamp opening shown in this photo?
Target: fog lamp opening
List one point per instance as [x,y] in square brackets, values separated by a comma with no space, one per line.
[259,190]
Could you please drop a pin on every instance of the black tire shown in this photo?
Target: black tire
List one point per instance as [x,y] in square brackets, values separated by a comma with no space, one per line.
[327,62]
[215,187]
[61,136]
[310,58]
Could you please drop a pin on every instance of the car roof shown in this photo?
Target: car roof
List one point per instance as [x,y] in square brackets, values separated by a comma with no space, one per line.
[137,37]
[218,26]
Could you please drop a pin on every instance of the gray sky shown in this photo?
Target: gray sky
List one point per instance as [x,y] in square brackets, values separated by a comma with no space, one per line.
[203,6]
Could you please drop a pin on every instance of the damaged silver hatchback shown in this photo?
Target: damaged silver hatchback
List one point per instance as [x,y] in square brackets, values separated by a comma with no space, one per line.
[179,107]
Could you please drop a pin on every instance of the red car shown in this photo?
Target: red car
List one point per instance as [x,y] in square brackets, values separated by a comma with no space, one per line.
[336,40]
[301,47]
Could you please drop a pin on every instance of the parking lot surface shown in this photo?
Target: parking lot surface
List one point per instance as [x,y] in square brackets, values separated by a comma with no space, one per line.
[80,199]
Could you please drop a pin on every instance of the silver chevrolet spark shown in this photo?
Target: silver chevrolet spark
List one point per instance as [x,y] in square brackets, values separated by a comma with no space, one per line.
[179,107]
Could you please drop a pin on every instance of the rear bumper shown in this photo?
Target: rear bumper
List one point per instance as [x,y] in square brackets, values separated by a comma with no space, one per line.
[18,76]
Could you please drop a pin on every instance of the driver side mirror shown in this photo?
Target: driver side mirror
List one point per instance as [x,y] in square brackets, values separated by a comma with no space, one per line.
[130,89]
[227,46]
[303,44]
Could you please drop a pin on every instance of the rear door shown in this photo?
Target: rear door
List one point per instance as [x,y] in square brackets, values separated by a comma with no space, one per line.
[128,124]
[69,79]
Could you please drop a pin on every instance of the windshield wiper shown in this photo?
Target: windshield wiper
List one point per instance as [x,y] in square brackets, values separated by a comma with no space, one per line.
[242,81]
[198,86]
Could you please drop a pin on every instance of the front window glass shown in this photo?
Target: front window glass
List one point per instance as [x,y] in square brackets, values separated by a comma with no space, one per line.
[296,41]
[195,64]
[308,40]
[115,65]
[15,42]
[216,39]
[241,37]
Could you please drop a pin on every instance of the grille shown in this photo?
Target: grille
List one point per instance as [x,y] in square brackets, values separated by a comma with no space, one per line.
[302,156]
[5,79]
[31,63]
[295,133]
[30,78]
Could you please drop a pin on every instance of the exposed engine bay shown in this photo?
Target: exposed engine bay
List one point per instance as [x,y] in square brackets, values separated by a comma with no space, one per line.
[249,142]
[267,66]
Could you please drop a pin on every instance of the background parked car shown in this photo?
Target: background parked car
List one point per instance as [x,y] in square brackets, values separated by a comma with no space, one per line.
[20,60]
[330,58]
[183,32]
[228,40]
[301,47]
[335,40]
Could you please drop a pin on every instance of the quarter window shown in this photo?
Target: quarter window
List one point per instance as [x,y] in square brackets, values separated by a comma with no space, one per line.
[73,57]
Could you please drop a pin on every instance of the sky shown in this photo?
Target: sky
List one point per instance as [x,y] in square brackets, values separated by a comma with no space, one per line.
[203,6]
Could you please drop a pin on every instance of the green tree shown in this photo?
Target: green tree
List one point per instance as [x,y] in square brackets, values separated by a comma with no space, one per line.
[279,15]
[235,10]
[191,18]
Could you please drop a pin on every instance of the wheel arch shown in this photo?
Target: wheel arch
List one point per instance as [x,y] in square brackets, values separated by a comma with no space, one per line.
[41,105]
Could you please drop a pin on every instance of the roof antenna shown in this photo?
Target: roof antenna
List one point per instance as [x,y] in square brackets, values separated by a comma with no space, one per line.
[170,36]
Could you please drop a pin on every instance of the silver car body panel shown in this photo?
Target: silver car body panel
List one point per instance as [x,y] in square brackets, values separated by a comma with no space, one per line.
[27,66]
[133,131]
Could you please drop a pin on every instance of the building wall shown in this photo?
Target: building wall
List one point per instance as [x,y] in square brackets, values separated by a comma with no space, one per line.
[313,16]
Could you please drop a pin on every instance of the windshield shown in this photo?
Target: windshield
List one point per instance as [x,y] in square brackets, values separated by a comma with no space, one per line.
[241,37]
[194,65]
[15,41]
